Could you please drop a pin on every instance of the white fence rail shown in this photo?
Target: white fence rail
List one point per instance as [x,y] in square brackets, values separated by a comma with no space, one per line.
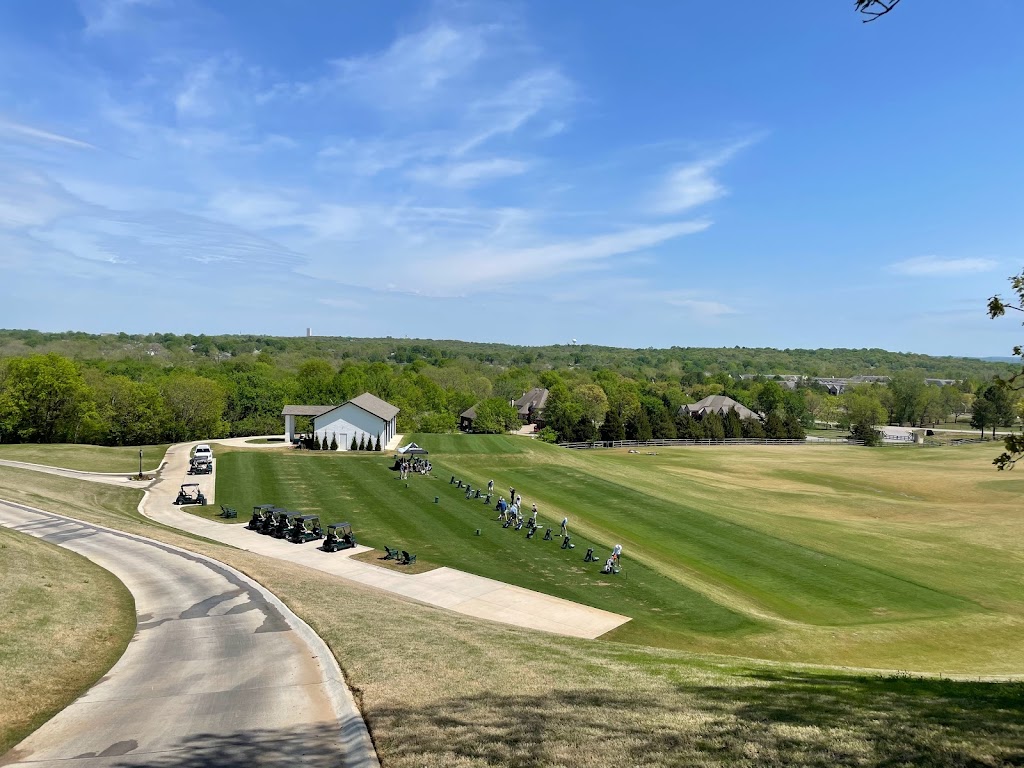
[667,442]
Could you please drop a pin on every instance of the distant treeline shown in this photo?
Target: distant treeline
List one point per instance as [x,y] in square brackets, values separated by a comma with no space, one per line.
[127,390]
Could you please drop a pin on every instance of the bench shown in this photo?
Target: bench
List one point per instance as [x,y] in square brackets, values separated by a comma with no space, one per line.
[406,558]
[392,554]
[227,512]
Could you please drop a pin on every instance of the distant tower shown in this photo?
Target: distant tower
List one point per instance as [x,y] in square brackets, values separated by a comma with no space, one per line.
[309,332]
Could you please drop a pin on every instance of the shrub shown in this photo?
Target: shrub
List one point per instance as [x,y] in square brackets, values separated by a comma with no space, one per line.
[355,445]
[362,442]
[548,435]
[377,446]
[334,441]
[325,446]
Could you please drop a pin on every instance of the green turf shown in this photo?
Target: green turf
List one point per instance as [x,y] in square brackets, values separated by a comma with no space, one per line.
[87,458]
[875,557]
[383,510]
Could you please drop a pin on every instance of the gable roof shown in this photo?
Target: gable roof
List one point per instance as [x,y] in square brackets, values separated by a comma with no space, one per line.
[534,400]
[719,404]
[469,413]
[372,405]
[307,410]
[376,406]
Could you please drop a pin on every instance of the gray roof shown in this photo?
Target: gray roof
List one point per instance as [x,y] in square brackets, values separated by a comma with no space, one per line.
[533,400]
[469,413]
[376,406]
[307,410]
[720,404]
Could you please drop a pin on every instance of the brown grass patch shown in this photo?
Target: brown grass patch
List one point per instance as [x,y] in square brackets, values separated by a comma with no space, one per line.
[64,621]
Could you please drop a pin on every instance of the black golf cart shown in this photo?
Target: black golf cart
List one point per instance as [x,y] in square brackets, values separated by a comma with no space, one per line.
[190,494]
[339,536]
[305,528]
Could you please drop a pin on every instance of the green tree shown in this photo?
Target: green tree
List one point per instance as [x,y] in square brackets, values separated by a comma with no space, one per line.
[376,446]
[769,398]
[195,407]
[993,408]
[362,442]
[639,427]
[355,444]
[794,427]
[613,428]
[714,428]
[733,424]
[753,429]
[324,446]
[907,389]
[44,399]
[130,412]
[585,431]
[334,442]
[547,435]
[315,383]
[774,427]
[495,416]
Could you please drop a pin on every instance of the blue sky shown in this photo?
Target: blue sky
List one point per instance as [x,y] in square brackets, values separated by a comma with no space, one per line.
[635,174]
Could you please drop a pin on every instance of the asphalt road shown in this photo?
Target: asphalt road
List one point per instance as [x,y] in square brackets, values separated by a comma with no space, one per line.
[219,673]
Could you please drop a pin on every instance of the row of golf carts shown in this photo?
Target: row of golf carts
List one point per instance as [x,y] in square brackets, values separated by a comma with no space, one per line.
[297,528]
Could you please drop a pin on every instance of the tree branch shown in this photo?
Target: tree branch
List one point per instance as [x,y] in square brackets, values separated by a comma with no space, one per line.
[867,7]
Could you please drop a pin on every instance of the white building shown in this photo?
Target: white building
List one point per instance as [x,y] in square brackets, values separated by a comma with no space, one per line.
[365,418]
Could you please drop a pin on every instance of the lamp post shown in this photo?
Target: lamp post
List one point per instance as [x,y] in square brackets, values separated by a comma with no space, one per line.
[140,463]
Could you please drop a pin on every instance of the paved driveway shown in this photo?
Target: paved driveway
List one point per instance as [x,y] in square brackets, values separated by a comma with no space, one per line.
[219,673]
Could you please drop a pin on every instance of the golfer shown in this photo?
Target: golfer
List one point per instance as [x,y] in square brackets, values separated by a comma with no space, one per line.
[565,526]
[490,486]
[533,517]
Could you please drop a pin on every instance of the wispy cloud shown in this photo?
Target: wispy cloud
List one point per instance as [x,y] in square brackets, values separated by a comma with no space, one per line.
[27,132]
[933,266]
[468,174]
[494,264]
[693,184]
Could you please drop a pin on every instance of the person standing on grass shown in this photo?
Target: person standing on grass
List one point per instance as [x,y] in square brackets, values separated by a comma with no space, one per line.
[511,493]
[519,501]
[565,527]
[490,486]
[502,506]
[533,517]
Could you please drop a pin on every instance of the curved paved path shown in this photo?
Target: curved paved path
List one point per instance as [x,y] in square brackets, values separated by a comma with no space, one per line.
[219,672]
[110,478]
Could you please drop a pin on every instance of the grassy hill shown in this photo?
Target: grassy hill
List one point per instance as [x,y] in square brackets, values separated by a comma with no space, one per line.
[891,557]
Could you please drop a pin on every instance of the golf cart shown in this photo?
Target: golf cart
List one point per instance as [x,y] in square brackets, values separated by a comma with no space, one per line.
[268,524]
[259,515]
[283,520]
[190,494]
[200,466]
[305,528]
[339,536]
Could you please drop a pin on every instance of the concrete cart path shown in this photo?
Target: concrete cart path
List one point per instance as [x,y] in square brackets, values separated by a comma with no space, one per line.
[443,587]
[110,478]
[219,672]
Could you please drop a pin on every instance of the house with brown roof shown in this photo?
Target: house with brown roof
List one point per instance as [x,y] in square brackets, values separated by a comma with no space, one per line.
[531,406]
[363,418]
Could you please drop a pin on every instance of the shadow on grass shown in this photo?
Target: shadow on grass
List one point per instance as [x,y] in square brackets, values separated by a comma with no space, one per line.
[765,719]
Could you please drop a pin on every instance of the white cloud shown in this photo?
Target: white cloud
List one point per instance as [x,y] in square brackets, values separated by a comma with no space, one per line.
[494,264]
[934,266]
[21,131]
[414,68]
[468,174]
[693,184]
